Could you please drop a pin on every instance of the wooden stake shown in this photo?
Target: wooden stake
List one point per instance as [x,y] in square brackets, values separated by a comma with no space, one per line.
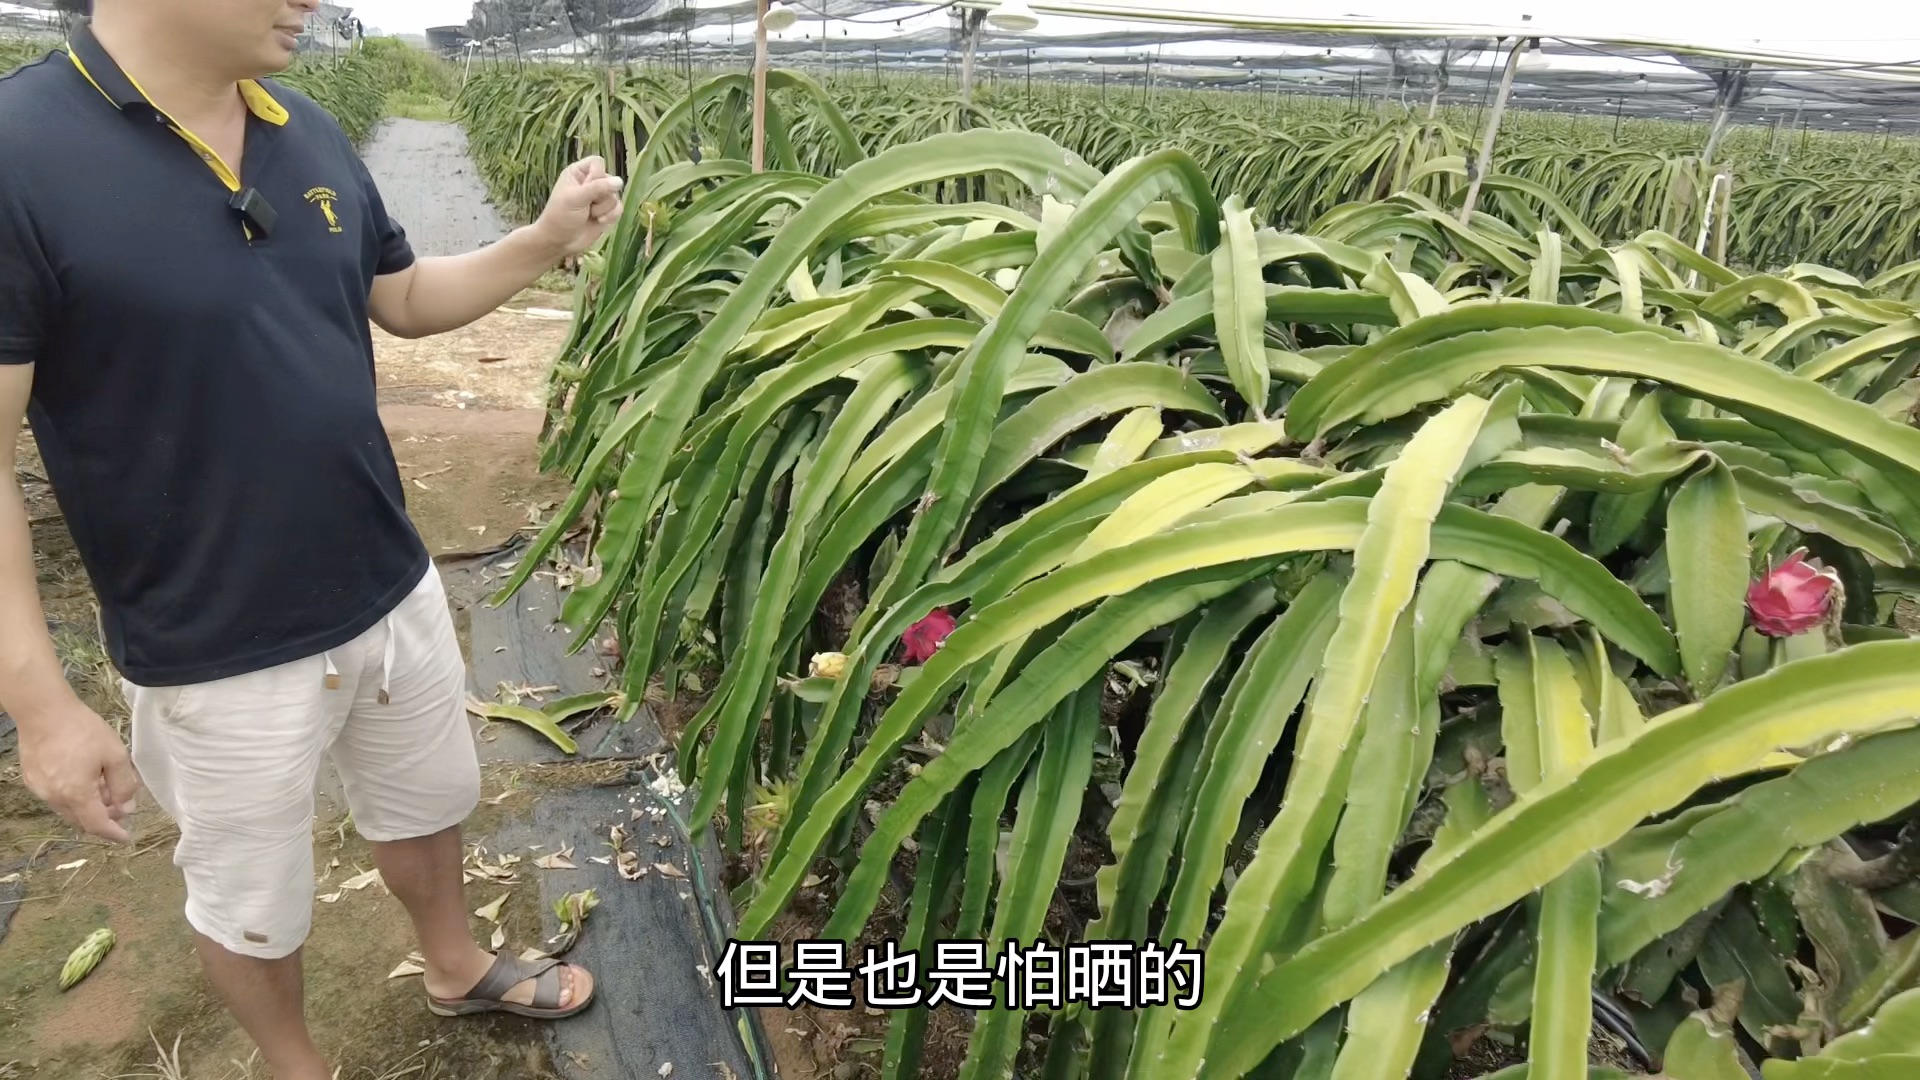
[1708,221]
[969,38]
[760,89]
[1726,209]
[1485,161]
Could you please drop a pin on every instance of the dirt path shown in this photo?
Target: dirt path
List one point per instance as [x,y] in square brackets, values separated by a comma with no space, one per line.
[500,362]
[430,187]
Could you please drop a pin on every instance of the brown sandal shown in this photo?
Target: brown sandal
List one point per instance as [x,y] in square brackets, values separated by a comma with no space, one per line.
[507,972]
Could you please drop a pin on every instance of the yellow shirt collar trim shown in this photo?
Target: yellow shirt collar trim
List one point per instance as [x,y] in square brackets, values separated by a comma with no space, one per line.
[259,101]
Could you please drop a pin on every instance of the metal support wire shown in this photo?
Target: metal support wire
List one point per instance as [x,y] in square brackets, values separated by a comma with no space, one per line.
[877,22]
[1485,89]
[693,107]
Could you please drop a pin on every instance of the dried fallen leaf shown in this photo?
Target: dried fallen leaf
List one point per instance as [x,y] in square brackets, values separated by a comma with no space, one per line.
[10,878]
[491,912]
[499,936]
[531,954]
[559,860]
[407,967]
[477,530]
[332,897]
[811,880]
[579,1059]
[603,860]
[667,869]
[617,836]
[1650,890]
[667,1069]
[630,867]
[361,881]
[74,865]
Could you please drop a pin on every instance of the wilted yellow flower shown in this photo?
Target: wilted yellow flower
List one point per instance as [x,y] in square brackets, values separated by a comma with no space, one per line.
[828,665]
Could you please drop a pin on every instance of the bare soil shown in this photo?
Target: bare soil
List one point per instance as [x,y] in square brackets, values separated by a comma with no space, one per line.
[471,482]
[471,475]
[499,362]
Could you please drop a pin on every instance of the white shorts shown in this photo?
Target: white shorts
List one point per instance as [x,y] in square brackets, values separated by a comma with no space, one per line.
[236,763]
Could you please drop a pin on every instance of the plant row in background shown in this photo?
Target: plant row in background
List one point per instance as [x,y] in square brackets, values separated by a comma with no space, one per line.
[17,51]
[1457,629]
[1839,200]
[351,88]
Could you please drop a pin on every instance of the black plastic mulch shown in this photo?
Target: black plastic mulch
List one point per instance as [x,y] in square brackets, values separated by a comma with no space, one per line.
[652,943]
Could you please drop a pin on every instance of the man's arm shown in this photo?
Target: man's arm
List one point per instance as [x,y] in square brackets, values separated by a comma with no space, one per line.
[435,295]
[69,756]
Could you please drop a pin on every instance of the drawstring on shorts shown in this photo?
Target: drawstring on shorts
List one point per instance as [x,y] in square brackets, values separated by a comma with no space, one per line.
[386,665]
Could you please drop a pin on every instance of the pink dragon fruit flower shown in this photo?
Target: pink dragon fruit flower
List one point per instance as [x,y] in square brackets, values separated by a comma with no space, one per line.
[925,637]
[1791,598]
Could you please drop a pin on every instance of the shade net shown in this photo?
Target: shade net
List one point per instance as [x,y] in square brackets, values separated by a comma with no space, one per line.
[1563,75]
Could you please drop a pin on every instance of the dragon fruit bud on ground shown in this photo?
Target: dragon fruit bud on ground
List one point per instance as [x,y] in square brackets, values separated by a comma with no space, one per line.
[1791,598]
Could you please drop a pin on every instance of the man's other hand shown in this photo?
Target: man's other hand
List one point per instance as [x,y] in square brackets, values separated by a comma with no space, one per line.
[585,203]
[80,768]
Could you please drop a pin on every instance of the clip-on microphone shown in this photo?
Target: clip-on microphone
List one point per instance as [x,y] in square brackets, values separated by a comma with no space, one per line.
[255,210]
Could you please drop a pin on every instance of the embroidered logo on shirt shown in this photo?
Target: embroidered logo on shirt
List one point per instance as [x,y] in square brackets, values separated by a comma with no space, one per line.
[325,197]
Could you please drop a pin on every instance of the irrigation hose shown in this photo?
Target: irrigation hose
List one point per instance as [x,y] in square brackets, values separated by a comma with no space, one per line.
[1609,1015]
[753,1040]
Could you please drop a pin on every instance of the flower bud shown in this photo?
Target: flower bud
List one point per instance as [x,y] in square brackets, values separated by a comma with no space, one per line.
[1791,598]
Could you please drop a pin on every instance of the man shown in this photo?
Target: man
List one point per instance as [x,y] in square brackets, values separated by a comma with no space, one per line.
[188,260]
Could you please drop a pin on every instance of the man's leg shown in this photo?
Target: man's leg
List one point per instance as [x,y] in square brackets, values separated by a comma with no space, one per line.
[266,997]
[235,762]
[412,775]
[424,874]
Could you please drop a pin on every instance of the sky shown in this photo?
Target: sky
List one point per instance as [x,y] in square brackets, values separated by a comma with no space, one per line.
[409,16]
[1871,30]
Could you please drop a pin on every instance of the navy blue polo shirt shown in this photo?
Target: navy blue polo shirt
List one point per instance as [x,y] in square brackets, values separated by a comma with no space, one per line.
[203,391]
